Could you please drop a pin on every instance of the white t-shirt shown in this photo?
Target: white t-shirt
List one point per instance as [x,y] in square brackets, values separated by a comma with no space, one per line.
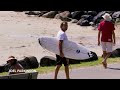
[62,35]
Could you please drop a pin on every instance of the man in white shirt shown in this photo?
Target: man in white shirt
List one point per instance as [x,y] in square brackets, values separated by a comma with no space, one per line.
[61,58]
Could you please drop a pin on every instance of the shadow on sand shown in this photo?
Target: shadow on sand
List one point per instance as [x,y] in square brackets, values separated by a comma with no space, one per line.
[113,68]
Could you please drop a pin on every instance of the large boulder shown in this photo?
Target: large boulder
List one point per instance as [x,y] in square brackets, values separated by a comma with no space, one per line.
[83,22]
[77,14]
[116,15]
[73,61]
[66,19]
[57,16]
[29,62]
[116,53]
[64,16]
[2,68]
[87,17]
[32,12]
[38,13]
[47,61]
[32,62]
[51,61]
[74,21]
[50,14]
[92,13]
[98,17]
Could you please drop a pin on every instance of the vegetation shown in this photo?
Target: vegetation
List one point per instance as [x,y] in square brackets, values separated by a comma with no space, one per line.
[46,69]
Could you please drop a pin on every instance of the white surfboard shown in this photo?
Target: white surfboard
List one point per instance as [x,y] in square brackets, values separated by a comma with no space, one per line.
[71,49]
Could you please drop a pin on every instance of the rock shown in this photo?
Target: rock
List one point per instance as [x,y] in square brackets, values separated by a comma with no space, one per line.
[32,12]
[65,19]
[64,16]
[51,61]
[47,61]
[83,22]
[116,15]
[60,12]
[77,14]
[38,13]
[57,16]
[2,68]
[87,17]
[73,61]
[116,53]
[24,64]
[74,21]
[92,13]
[98,17]
[29,62]
[50,14]
[32,62]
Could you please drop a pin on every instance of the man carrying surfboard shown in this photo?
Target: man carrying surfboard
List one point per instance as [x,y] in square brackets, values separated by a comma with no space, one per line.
[106,29]
[61,36]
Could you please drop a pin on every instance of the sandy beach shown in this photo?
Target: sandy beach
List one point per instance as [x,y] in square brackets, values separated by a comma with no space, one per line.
[19,35]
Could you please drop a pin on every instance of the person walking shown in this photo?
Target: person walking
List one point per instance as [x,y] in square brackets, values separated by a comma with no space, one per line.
[106,37]
[61,59]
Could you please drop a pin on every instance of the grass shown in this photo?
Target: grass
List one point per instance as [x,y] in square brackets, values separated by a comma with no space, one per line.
[48,69]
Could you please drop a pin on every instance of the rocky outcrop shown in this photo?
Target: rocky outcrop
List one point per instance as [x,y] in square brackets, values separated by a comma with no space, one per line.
[51,61]
[27,63]
[50,14]
[83,17]
[116,53]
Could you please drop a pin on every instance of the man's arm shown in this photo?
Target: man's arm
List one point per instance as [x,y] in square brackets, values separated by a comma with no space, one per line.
[60,48]
[114,40]
[99,33]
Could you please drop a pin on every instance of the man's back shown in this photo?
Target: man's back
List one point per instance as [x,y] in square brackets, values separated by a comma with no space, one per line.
[107,28]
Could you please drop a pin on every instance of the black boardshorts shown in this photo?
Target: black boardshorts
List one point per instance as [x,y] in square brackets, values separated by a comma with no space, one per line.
[61,60]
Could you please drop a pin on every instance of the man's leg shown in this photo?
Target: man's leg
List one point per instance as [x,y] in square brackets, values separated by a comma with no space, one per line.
[104,60]
[66,64]
[109,51]
[56,71]
[58,65]
[67,72]
[104,54]
[107,56]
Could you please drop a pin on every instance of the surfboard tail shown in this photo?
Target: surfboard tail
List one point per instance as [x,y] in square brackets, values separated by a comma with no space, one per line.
[90,54]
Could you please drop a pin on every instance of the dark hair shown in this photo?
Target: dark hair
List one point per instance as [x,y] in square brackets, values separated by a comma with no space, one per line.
[63,23]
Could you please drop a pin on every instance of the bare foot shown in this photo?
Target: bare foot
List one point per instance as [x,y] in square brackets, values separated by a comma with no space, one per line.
[104,65]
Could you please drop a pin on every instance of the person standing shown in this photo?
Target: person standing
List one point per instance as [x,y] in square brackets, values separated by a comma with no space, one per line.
[15,67]
[61,59]
[106,32]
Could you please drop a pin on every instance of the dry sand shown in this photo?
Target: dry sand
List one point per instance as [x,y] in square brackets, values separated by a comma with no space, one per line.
[19,35]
